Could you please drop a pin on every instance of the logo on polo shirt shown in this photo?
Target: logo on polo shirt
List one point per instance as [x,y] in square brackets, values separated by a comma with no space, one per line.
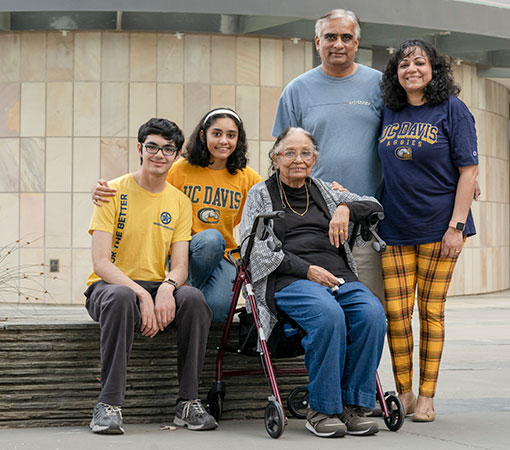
[165,217]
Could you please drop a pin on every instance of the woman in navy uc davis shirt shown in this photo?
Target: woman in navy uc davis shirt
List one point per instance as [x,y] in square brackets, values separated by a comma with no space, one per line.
[428,149]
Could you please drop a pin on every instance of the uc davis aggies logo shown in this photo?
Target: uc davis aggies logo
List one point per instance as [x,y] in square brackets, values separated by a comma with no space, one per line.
[165,217]
[209,215]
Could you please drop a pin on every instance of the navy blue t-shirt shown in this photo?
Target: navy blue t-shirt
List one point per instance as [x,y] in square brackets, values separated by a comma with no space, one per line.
[421,149]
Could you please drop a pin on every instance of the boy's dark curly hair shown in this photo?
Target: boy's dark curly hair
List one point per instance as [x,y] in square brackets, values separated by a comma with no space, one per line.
[197,153]
[440,87]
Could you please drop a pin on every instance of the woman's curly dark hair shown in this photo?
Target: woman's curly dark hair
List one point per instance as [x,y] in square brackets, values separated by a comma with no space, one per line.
[197,153]
[440,87]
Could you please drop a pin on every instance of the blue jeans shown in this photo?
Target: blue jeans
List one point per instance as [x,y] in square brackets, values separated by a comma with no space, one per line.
[345,337]
[210,272]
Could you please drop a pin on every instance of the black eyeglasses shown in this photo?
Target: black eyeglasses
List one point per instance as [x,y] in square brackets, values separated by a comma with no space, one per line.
[154,149]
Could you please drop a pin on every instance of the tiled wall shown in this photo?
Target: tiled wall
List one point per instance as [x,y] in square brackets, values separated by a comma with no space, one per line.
[71,105]
[70,108]
[484,263]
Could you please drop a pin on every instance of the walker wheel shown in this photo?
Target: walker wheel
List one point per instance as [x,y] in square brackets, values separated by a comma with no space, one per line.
[274,419]
[395,420]
[297,402]
[214,404]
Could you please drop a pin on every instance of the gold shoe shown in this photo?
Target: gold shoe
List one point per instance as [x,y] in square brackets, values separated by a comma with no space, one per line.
[426,416]
[410,408]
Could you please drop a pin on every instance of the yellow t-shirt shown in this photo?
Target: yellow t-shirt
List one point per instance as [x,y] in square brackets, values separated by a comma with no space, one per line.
[144,226]
[217,197]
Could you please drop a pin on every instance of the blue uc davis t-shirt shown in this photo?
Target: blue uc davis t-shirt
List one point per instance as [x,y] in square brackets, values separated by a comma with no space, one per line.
[421,149]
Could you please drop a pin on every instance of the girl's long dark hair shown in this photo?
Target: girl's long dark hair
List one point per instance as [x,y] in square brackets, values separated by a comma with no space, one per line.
[197,153]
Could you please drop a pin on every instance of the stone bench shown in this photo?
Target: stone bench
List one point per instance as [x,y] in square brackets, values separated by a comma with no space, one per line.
[49,376]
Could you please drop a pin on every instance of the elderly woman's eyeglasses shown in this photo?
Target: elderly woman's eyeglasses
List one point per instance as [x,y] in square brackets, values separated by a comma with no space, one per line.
[292,155]
[154,149]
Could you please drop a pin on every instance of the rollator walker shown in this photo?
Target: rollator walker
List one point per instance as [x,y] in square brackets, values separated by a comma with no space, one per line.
[297,402]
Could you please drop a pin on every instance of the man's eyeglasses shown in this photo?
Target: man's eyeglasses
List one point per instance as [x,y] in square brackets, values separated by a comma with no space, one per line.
[291,155]
[166,150]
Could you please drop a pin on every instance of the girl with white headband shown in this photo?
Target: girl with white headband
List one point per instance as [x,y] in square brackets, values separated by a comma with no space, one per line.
[213,174]
[215,177]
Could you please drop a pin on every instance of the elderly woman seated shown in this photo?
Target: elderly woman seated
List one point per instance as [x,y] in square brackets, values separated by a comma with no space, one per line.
[313,281]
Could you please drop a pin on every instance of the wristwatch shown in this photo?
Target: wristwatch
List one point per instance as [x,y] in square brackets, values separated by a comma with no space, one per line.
[172,282]
[459,226]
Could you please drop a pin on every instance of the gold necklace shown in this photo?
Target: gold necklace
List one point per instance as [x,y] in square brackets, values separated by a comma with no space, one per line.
[288,204]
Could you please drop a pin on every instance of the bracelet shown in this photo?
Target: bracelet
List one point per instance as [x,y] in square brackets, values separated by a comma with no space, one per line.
[172,282]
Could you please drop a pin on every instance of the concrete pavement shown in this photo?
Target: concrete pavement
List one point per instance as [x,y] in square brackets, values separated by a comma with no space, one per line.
[472,402]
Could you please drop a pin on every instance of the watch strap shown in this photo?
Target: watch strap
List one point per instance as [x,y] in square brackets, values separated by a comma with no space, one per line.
[459,226]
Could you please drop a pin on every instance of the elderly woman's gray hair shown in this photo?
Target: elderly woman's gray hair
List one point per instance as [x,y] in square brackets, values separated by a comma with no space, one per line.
[277,146]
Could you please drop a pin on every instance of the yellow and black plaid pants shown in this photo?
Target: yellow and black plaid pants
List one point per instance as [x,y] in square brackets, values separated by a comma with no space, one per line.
[407,269]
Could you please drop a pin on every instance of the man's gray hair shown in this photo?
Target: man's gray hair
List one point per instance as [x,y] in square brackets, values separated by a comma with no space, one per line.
[338,14]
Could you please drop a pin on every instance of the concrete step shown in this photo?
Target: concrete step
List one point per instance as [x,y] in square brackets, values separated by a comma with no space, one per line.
[49,376]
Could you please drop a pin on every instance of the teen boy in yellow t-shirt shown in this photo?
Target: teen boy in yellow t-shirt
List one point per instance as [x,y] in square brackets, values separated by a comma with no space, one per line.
[132,236]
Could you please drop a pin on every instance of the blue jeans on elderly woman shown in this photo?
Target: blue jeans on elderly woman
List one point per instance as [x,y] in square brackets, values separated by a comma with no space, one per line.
[344,341]
[210,272]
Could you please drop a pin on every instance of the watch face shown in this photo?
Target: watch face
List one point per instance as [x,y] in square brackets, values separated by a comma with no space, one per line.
[460,226]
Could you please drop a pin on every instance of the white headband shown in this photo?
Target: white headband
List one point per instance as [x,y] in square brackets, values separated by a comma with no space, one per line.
[222,111]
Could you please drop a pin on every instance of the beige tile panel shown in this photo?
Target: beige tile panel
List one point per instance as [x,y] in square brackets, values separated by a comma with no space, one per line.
[10,268]
[82,212]
[142,105]
[59,109]
[197,57]
[58,220]
[479,270]
[114,157]
[115,57]
[248,61]
[9,109]
[264,161]
[499,130]
[9,218]
[309,54]
[81,269]
[133,155]
[87,108]
[223,96]
[33,57]
[60,56]
[482,170]
[86,163]
[10,57]
[468,270]
[87,56]
[142,57]
[170,54]
[506,229]
[58,284]
[170,101]
[268,102]
[59,164]
[248,102]
[114,109]
[196,104]
[33,109]
[9,164]
[271,62]
[31,227]
[293,60]
[33,157]
[32,277]
[254,155]
[223,59]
